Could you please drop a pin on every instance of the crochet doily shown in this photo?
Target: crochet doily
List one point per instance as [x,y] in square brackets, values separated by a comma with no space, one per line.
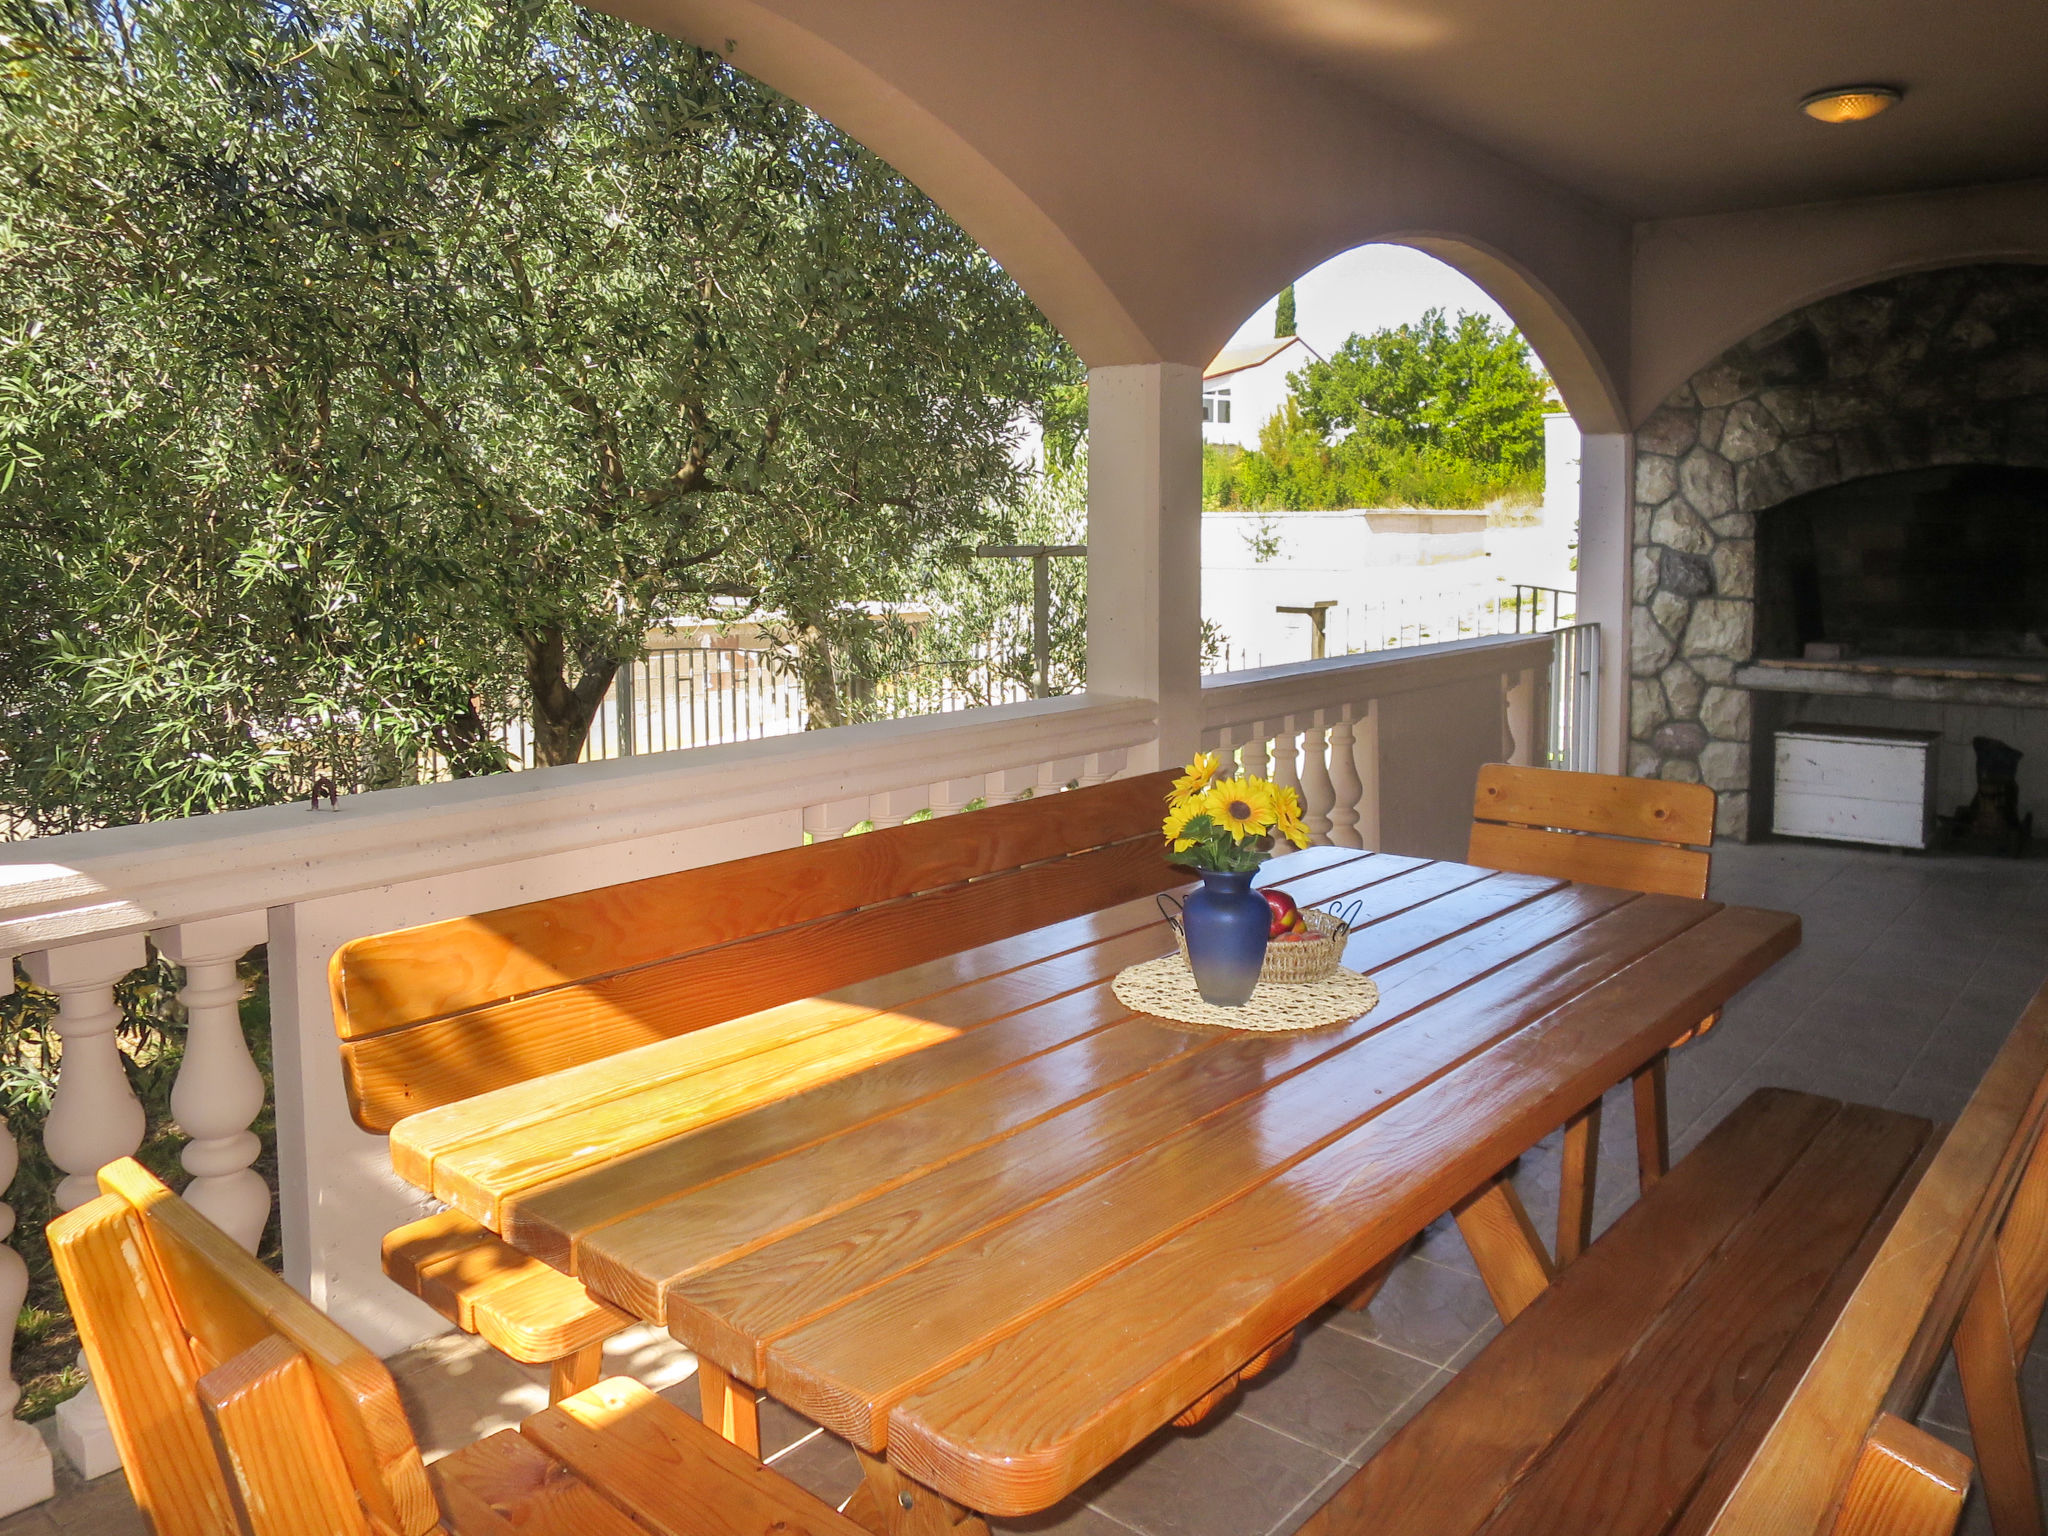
[1166,987]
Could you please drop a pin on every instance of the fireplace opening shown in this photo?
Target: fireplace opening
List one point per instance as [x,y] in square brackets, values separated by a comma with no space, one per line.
[1949,562]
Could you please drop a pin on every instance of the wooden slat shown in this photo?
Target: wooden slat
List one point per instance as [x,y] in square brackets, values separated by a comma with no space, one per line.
[851,1364]
[1988,1369]
[142,1365]
[492,1172]
[271,1433]
[1879,1345]
[228,1302]
[885,1231]
[1617,806]
[960,991]
[437,969]
[670,1472]
[1653,867]
[400,1072]
[1695,1371]
[505,1485]
[1262,1262]
[1906,1483]
[1436,1476]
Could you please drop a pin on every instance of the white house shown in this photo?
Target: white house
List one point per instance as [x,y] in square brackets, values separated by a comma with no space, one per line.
[1244,386]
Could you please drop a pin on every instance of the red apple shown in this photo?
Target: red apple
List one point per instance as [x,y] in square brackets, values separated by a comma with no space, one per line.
[1286,912]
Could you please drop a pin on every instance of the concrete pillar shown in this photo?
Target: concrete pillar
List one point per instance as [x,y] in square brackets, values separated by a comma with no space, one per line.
[1606,481]
[1145,546]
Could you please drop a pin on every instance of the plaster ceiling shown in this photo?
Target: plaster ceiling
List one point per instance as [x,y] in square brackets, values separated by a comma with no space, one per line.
[1659,108]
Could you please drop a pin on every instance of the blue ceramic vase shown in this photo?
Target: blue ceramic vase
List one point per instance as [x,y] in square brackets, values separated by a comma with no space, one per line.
[1226,923]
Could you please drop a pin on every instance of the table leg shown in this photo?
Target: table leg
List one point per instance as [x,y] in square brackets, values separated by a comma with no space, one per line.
[907,1508]
[1653,1129]
[730,1407]
[1575,1183]
[1360,1296]
[1505,1246]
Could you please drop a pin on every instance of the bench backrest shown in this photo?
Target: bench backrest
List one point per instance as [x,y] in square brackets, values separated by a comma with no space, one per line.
[444,1011]
[1965,1264]
[1646,835]
[195,1346]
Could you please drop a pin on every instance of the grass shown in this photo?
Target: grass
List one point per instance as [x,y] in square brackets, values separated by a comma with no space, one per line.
[152,1048]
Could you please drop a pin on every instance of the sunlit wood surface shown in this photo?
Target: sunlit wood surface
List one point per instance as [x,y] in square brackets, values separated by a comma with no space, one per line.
[984,1222]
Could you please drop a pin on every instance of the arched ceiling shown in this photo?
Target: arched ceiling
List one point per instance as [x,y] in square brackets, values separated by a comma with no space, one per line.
[1150,179]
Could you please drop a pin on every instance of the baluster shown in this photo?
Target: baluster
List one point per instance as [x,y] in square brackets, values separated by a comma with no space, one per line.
[1317,793]
[26,1476]
[1286,766]
[94,1119]
[219,1091]
[1009,784]
[1056,776]
[892,807]
[1252,761]
[1097,767]
[951,796]
[835,818]
[1346,788]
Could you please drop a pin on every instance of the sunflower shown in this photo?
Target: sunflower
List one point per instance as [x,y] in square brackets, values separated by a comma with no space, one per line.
[1243,806]
[1287,820]
[1195,777]
[1183,810]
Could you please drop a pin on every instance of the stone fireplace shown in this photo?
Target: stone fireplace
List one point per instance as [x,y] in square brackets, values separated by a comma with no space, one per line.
[1869,472]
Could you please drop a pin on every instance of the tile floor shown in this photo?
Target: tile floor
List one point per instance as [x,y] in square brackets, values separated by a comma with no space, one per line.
[1911,972]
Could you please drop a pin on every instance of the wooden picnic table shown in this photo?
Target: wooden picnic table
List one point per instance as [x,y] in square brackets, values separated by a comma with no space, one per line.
[993,1229]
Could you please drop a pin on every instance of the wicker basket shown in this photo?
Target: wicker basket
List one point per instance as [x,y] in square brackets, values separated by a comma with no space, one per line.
[1296,960]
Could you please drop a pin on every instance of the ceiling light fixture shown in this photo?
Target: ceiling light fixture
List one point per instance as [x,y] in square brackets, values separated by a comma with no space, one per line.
[1850,103]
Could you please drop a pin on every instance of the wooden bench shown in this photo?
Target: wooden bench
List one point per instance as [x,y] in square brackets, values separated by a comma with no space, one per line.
[1648,835]
[1746,1349]
[240,1410]
[435,1014]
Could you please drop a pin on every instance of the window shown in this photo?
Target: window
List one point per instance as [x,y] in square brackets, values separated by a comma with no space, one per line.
[1216,406]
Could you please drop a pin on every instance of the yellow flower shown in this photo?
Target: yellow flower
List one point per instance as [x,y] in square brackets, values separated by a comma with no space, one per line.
[1183,811]
[1245,806]
[1195,777]
[1287,816]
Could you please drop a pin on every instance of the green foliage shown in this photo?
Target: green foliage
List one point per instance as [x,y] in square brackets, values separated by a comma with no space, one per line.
[1435,414]
[1283,314]
[370,372]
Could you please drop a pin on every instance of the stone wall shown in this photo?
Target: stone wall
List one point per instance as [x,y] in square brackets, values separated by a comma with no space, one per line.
[1944,367]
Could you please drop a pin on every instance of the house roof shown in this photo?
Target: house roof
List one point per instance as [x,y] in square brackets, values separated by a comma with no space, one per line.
[1237,359]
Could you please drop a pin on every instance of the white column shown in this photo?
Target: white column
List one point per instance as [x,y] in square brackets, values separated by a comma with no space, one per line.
[952,796]
[1606,497]
[892,807]
[94,1119]
[1007,784]
[1365,759]
[1345,786]
[26,1476]
[1145,546]
[1318,791]
[219,1090]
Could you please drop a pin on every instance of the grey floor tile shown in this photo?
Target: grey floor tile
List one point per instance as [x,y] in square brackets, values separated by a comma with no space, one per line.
[1230,1477]
[1426,1310]
[1334,1390]
[818,1462]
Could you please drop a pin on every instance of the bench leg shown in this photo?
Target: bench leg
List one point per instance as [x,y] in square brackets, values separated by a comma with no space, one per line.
[1906,1483]
[908,1508]
[730,1407]
[1653,1127]
[1989,1368]
[1360,1296]
[575,1373]
[1575,1184]
[1505,1246]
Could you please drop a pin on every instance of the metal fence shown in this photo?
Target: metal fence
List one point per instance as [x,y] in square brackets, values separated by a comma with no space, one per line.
[1427,618]
[1575,698]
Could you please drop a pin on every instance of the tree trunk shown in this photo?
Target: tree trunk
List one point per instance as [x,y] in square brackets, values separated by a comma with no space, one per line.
[823,706]
[562,711]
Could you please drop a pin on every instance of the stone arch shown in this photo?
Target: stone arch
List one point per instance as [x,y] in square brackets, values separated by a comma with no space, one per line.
[1946,366]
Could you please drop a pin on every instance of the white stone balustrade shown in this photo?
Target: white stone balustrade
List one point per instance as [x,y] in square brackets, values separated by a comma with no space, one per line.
[26,1475]
[219,1090]
[94,1119]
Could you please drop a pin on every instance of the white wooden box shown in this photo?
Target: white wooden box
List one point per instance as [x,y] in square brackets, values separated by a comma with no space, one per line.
[1855,784]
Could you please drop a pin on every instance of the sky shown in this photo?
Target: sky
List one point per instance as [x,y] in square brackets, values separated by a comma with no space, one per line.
[1369,289]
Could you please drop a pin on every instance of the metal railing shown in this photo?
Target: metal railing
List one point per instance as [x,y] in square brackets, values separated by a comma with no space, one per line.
[1529,602]
[1575,698]
[1424,618]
